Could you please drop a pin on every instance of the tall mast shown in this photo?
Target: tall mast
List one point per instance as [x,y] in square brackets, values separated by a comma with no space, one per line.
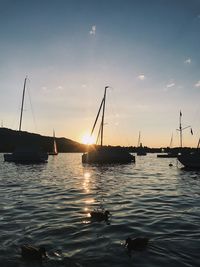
[171,141]
[102,121]
[22,105]
[180,129]
[139,139]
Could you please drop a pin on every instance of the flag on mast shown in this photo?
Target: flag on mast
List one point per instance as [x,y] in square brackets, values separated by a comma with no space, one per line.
[180,113]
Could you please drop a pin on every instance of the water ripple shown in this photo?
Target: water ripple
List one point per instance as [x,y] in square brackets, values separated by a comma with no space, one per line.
[49,205]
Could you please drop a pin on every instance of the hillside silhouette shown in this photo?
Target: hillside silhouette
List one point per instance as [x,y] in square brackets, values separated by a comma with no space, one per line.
[10,139]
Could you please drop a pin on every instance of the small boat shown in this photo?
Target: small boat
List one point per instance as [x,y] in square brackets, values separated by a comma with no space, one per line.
[55,150]
[168,155]
[106,155]
[29,153]
[190,160]
[140,149]
[171,154]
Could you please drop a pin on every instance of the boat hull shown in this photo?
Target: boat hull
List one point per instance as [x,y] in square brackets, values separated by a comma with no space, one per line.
[167,155]
[190,161]
[27,155]
[141,153]
[107,157]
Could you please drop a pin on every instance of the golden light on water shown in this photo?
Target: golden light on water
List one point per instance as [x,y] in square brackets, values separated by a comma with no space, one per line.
[89,201]
[86,182]
[87,175]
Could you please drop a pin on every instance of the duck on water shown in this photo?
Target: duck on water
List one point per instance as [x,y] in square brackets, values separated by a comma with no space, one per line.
[30,252]
[100,215]
[139,243]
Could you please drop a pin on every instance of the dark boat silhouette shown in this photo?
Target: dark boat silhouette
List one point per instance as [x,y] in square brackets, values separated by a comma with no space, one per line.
[26,153]
[140,149]
[171,154]
[191,160]
[105,155]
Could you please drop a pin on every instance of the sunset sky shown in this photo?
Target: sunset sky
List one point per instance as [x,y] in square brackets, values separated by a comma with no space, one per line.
[147,51]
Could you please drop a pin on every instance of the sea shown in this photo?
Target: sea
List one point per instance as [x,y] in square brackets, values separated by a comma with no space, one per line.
[49,205]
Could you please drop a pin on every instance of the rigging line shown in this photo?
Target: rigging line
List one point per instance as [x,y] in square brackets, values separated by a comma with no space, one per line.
[98,135]
[32,111]
[97,117]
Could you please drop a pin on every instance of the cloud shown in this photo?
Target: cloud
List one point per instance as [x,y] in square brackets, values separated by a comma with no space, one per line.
[59,88]
[93,30]
[170,85]
[141,77]
[197,84]
[188,61]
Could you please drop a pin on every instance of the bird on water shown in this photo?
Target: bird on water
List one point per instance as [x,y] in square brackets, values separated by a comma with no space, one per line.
[139,243]
[100,215]
[31,252]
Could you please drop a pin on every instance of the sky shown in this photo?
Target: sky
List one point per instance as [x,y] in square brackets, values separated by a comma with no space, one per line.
[147,51]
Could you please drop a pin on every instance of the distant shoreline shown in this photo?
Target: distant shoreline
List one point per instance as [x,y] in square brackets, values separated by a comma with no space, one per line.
[9,139]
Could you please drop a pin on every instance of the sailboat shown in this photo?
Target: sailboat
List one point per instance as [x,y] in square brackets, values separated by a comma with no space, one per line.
[24,153]
[55,150]
[140,149]
[190,160]
[105,155]
[171,153]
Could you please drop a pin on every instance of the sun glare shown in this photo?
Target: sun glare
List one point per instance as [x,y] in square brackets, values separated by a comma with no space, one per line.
[87,139]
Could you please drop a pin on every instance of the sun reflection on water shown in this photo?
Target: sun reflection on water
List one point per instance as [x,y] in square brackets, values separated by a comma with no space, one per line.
[88,200]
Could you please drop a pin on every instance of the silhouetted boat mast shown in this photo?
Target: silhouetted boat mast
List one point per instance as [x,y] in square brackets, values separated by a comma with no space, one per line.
[22,105]
[102,120]
[181,129]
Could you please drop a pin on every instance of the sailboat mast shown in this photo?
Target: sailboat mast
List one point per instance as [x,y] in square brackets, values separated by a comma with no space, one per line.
[22,105]
[102,121]
[139,139]
[171,141]
[180,129]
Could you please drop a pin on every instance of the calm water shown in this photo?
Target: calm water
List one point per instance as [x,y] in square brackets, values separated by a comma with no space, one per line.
[49,205]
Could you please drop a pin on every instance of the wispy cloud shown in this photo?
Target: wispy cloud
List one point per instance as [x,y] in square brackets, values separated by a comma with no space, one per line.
[60,88]
[197,84]
[93,30]
[188,61]
[141,77]
[170,85]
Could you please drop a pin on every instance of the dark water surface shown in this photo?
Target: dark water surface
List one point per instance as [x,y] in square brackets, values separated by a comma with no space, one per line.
[49,204]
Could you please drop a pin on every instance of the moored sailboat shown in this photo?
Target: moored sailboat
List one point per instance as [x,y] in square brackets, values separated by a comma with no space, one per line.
[54,152]
[102,154]
[190,160]
[26,153]
[140,149]
[171,153]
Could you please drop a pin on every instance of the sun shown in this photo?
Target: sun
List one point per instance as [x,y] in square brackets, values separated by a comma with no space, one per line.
[87,139]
